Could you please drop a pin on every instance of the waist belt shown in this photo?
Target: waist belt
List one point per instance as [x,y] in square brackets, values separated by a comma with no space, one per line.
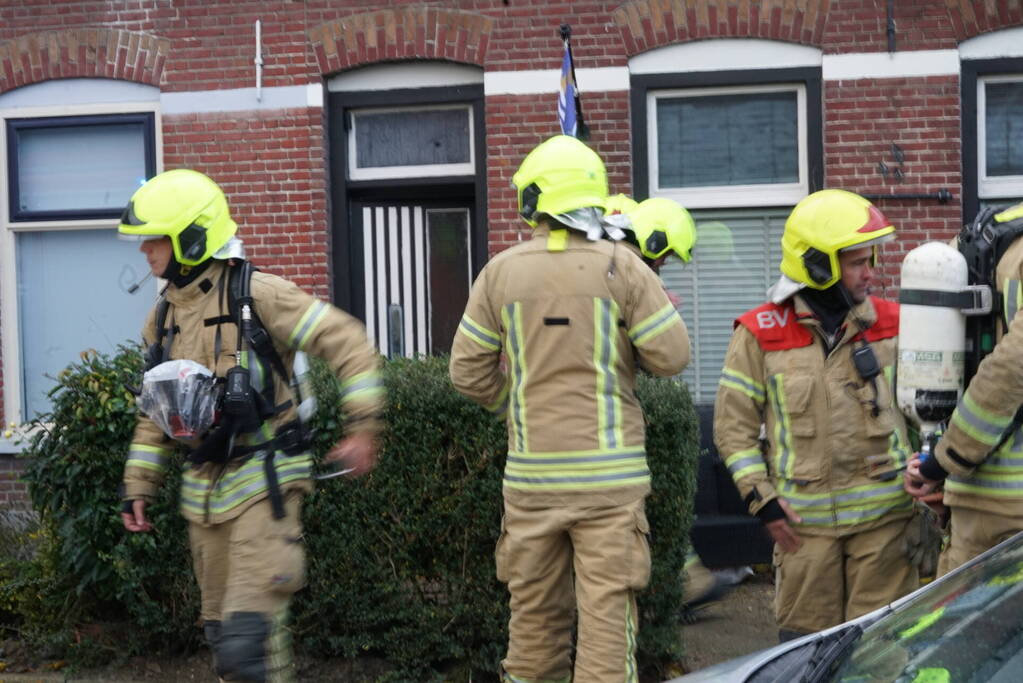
[291,439]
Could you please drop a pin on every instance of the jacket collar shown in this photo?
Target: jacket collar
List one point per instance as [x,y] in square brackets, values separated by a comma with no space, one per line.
[199,287]
[850,327]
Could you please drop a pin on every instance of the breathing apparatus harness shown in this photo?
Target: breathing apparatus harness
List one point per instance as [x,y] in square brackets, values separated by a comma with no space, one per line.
[983,243]
[243,407]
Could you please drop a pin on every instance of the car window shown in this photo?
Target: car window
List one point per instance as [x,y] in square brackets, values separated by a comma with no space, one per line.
[967,628]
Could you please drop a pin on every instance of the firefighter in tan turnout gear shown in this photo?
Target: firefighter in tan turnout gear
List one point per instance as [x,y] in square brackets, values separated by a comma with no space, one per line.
[981,452]
[243,486]
[655,229]
[814,367]
[573,315]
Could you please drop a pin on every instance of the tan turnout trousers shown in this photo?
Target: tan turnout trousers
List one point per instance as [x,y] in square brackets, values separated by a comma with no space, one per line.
[973,532]
[253,563]
[833,579]
[537,554]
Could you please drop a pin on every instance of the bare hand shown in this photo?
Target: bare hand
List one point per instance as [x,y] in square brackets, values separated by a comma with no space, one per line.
[915,483]
[358,451]
[785,537]
[135,521]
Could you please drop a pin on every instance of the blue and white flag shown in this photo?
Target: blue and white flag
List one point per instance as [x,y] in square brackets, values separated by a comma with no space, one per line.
[567,114]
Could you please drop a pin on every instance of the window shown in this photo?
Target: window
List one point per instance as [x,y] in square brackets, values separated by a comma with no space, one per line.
[58,317]
[1000,136]
[738,149]
[728,147]
[68,178]
[991,80]
[735,259]
[403,142]
[77,167]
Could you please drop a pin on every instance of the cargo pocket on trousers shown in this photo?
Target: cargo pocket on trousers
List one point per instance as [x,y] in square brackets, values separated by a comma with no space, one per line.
[501,554]
[639,555]
[287,564]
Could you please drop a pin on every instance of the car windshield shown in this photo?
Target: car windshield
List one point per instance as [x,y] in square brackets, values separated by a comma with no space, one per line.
[968,627]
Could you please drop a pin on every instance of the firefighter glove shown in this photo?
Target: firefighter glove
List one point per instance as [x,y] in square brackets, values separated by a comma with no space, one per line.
[922,540]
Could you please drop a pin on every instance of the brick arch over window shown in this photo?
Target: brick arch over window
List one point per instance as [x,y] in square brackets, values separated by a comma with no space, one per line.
[647,24]
[971,19]
[82,53]
[411,33]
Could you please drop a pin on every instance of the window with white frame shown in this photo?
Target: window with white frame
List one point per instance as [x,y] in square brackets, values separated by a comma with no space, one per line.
[999,137]
[739,150]
[70,171]
[738,146]
[427,141]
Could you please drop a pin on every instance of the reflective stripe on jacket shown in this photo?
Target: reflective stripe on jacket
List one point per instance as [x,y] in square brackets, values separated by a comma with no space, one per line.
[572,318]
[829,453]
[295,321]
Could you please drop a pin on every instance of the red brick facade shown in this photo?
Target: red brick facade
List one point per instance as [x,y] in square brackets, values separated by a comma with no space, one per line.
[12,490]
[274,164]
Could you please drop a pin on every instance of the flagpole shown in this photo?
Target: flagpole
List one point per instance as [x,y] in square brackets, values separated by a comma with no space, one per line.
[582,130]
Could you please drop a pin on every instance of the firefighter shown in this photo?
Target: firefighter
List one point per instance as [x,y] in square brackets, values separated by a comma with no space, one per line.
[981,452]
[242,493]
[655,229]
[660,227]
[573,315]
[813,367]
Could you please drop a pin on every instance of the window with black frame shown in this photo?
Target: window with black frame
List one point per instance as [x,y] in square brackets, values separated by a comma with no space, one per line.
[68,180]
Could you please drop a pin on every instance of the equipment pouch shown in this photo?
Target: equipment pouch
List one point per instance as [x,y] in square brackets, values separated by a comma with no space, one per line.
[639,554]
[799,392]
[501,554]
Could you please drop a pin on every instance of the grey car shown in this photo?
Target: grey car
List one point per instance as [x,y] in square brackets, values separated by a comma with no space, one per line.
[962,628]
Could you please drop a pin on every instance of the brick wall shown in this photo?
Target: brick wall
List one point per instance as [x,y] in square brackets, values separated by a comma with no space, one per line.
[863,119]
[516,124]
[13,492]
[273,166]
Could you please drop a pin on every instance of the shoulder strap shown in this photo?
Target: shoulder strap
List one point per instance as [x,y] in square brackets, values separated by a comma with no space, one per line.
[158,352]
[239,290]
[776,327]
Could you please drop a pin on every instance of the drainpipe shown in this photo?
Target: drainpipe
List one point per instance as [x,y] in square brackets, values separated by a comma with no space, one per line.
[258,61]
[891,26]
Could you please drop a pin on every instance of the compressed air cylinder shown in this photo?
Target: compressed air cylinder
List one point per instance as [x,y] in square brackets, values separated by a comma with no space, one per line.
[932,334]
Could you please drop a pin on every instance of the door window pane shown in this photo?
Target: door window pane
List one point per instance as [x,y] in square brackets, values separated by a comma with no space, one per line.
[1003,137]
[732,139]
[83,170]
[411,142]
[72,296]
[734,261]
[448,232]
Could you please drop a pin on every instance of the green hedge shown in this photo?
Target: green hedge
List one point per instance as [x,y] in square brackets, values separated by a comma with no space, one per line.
[401,561]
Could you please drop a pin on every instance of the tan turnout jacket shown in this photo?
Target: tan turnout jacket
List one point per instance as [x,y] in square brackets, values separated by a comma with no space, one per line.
[212,493]
[829,453]
[571,319]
